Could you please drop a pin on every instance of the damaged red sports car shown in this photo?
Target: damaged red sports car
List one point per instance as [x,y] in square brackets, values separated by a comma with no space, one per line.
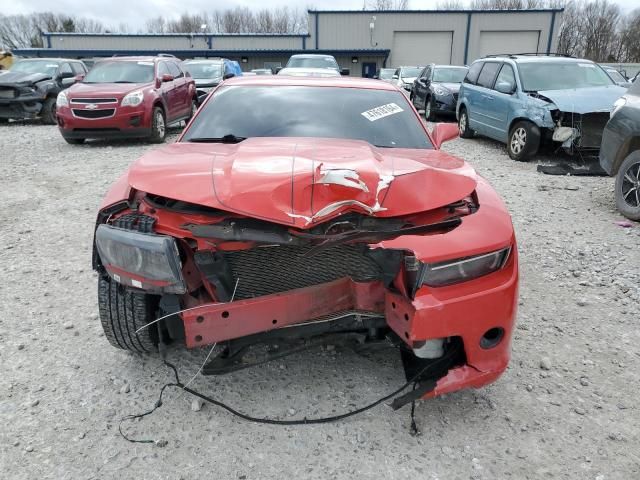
[304,210]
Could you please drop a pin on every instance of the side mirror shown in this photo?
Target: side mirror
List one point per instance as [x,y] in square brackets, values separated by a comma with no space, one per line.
[166,78]
[395,77]
[422,81]
[79,78]
[345,72]
[228,75]
[64,75]
[444,132]
[505,87]
[278,70]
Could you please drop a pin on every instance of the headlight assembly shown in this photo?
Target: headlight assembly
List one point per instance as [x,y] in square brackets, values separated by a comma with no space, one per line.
[62,100]
[440,91]
[133,99]
[142,260]
[463,269]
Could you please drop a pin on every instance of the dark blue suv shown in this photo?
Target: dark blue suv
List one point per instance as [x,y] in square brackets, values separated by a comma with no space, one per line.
[523,100]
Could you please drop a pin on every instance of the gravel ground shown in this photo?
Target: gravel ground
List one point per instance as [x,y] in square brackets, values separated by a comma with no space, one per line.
[566,408]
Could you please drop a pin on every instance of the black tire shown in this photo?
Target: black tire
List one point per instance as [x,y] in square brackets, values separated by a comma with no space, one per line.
[194,109]
[523,141]
[158,126]
[628,187]
[74,141]
[4,121]
[429,114]
[463,124]
[122,312]
[48,112]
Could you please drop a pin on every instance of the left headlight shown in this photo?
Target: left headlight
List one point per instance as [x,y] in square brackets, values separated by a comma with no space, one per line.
[440,91]
[463,269]
[133,99]
[62,100]
[142,260]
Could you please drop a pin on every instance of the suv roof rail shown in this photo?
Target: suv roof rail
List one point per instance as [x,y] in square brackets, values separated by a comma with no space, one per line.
[529,54]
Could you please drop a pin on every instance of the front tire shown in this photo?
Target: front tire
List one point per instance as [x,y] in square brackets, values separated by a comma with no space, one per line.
[48,113]
[628,187]
[429,114]
[158,126]
[463,124]
[524,141]
[122,312]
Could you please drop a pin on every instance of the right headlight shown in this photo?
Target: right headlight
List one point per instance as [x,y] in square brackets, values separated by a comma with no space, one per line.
[463,269]
[618,104]
[62,100]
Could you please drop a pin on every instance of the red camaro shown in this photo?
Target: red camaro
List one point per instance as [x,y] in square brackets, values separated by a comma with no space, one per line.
[304,210]
[127,97]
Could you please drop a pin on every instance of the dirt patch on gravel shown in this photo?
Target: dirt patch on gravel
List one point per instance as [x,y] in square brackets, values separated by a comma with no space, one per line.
[566,408]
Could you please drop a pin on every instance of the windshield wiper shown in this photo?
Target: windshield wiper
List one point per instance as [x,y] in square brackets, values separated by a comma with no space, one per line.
[123,81]
[229,138]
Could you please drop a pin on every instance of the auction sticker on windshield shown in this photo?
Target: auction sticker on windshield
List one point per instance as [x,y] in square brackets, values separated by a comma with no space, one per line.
[382,111]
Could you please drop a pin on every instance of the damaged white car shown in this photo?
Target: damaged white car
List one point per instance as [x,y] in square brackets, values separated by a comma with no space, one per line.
[526,100]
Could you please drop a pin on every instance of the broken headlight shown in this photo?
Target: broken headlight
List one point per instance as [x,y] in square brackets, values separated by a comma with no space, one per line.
[462,269]
[141,260]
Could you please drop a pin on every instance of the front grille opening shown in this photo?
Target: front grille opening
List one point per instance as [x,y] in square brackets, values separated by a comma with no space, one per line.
[269,270]
[104,113]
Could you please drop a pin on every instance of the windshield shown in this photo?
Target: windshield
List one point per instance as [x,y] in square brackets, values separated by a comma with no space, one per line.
[449,75]
[538,76]
[206,71]
[121,72]
[410,72]
[616,76]
[312,62]
[382,118]
[35,66]
[387,73]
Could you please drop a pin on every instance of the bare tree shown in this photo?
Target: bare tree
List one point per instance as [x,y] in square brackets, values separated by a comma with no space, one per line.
[386,5]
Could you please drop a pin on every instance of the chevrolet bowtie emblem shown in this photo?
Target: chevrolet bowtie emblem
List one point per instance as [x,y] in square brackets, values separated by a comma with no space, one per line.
[90,106]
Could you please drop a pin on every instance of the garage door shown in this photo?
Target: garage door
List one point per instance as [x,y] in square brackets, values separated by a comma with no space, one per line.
[421,48]
[521,41]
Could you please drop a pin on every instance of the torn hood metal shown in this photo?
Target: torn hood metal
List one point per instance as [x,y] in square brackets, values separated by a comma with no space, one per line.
[20,79]
[585,100]
[304,181]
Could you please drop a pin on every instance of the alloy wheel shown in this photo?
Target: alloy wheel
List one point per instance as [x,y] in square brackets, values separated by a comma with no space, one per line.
[518,140]
[462,125]
[160,128]
[631,185]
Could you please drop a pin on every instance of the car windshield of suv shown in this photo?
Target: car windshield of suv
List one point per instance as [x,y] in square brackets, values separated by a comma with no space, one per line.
[312,62]
[382,118]
[410,72]
[121,72]
[387,73]
[539,76]
[204,71]
[35,66]
[616,76]
[449,74]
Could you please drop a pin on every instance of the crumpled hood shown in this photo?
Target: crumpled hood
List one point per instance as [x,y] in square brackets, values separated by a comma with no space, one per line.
[585,100]
[12,79]
[102,90]
[304,181]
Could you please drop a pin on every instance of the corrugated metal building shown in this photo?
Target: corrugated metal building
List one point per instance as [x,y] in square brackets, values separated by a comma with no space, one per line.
[362,41]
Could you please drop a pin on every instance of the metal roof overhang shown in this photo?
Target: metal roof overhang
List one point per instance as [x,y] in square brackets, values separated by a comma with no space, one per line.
[189,53]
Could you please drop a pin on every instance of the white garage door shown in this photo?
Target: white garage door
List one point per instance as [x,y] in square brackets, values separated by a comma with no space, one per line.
[421,48]
[521,41]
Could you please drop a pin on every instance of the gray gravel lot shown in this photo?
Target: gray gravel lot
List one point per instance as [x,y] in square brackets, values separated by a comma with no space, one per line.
[566,408]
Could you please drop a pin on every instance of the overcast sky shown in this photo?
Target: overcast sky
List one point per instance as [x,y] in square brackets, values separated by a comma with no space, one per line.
[136,12]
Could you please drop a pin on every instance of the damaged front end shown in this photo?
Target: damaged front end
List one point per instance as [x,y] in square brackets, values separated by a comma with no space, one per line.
[22,96]
[579,132]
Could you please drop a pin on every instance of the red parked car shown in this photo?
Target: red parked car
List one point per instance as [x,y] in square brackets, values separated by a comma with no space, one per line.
[315,209]
[127,97]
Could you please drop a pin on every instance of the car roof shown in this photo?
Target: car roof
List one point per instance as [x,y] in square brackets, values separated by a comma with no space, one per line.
[49,59]
[537,58]
[449,66]
[311,55]
[208,60]
[284,80]
[137,59]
